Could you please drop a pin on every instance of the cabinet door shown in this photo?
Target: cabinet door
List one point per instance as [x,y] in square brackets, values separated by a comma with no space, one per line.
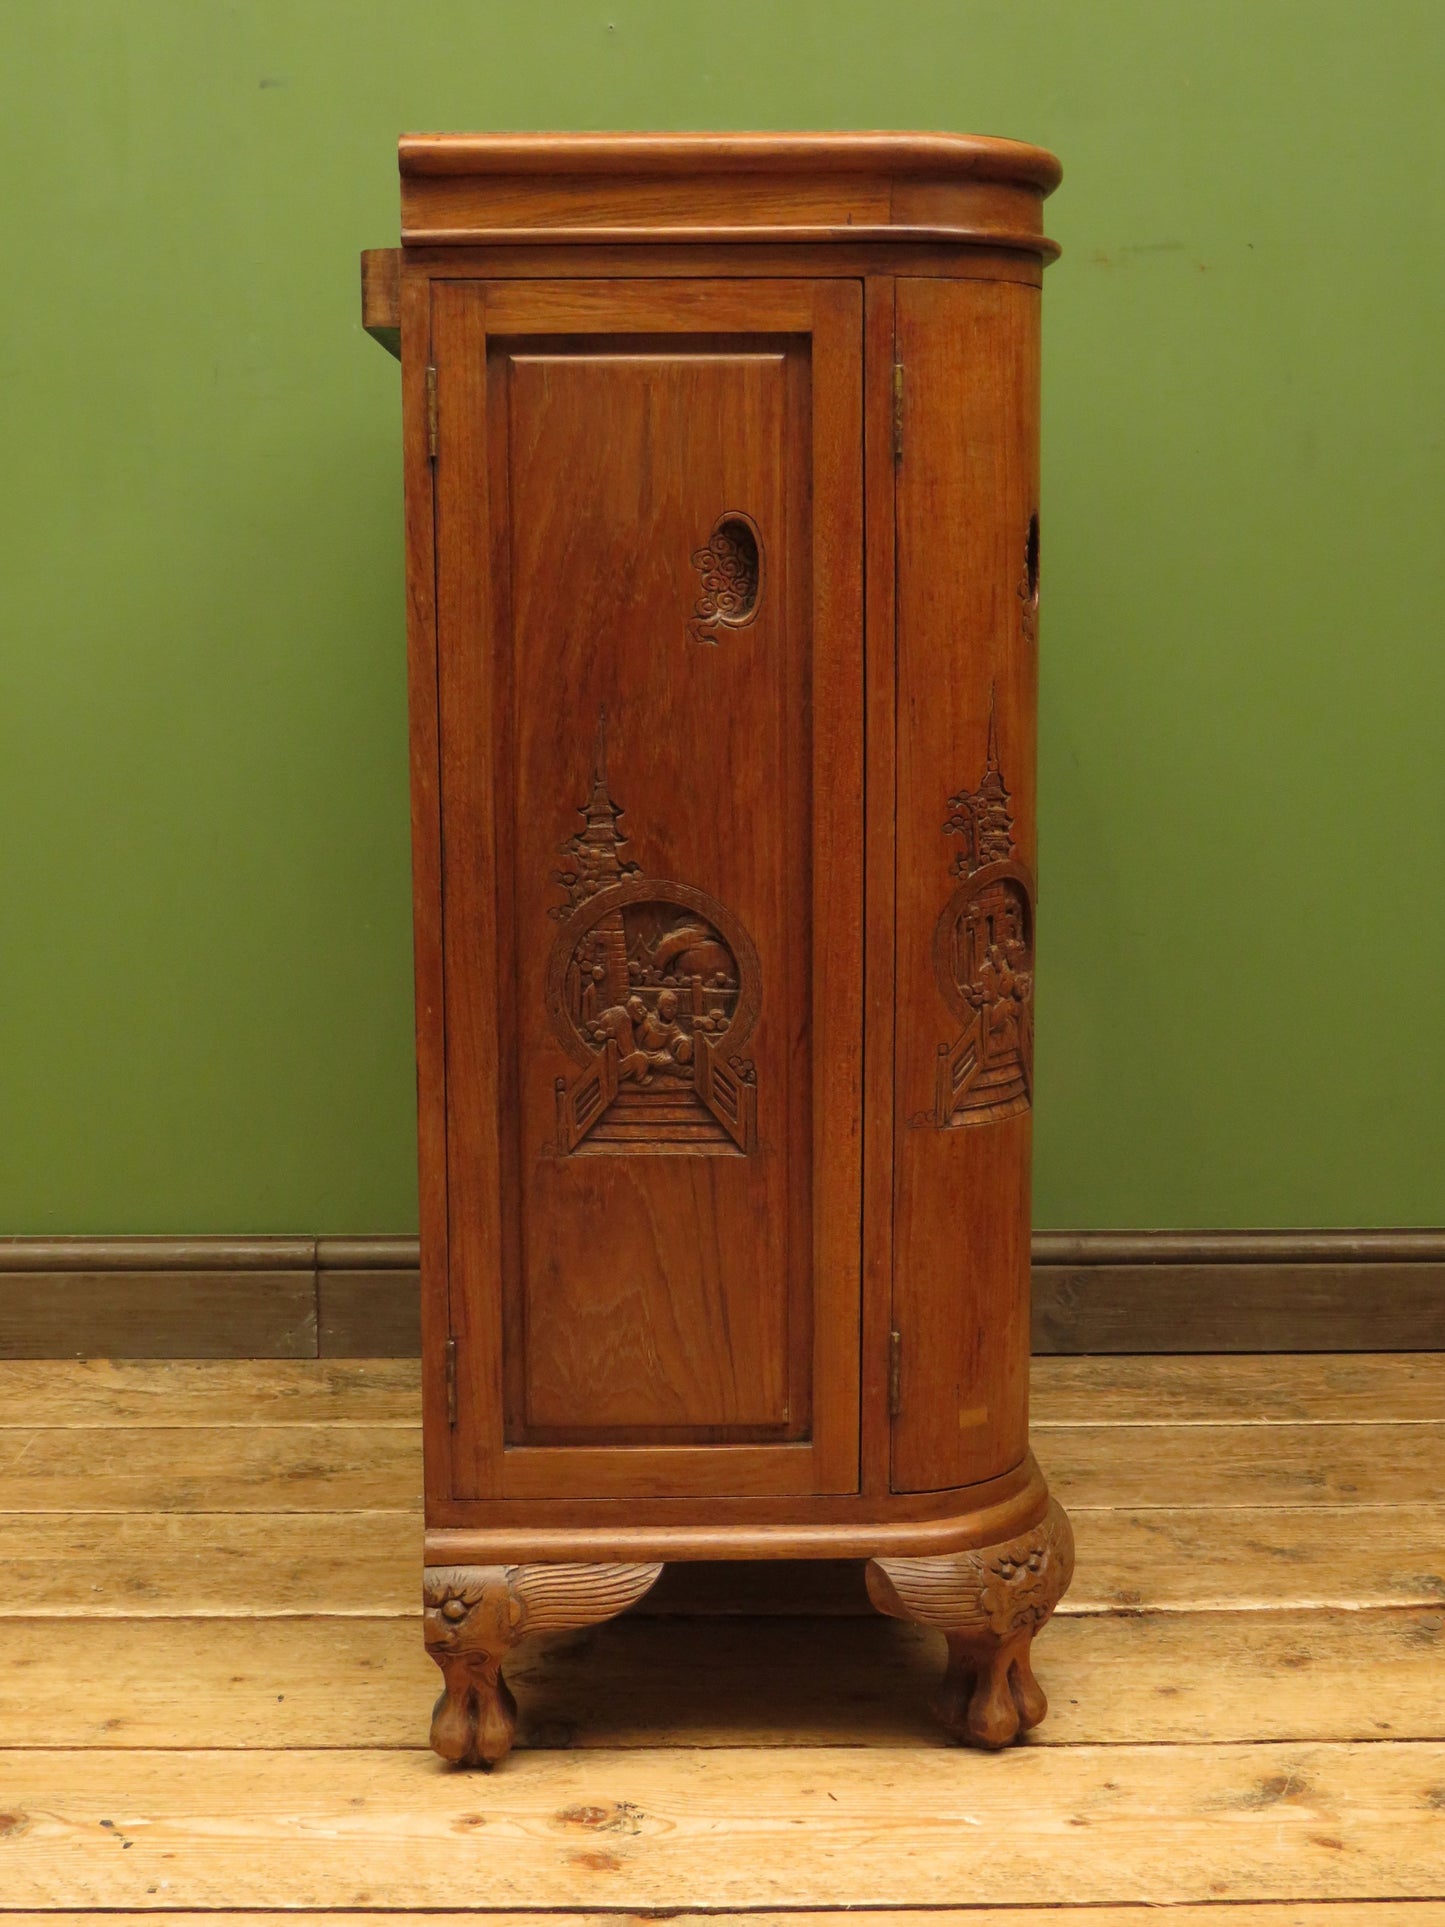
[648,514]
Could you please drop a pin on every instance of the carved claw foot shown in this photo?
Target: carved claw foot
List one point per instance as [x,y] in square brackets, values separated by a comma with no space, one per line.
[989,1603]
[474,1616]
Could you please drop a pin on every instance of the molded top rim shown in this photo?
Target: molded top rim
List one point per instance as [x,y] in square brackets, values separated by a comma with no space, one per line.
[963,156]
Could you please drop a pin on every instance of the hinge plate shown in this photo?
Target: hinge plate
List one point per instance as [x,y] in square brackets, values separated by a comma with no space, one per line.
[431,413]
[898,411]
[451,1381]
[895,1373]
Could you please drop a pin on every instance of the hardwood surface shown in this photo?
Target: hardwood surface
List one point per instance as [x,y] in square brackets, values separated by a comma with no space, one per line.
[1247,1699]
[1402,1913]
[1247,1914]
[1247,1307]
[658,1331]
[381,297]
[968,665]
[466,189]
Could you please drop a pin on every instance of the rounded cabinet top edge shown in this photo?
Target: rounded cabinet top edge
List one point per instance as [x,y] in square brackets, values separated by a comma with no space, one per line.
[975,157]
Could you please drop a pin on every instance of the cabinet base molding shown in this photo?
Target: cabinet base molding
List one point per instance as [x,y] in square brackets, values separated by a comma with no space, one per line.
[974,1516]
[989,1603]
[473,1617]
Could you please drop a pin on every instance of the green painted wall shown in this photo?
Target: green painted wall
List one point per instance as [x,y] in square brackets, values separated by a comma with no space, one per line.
[204,996]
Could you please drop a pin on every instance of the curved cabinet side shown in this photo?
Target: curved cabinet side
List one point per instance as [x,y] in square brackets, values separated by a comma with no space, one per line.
[967,562]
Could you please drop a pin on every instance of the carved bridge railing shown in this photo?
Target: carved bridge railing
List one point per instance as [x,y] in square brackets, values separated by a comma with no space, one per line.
[730,1098]
[581,1104]
[958,1065]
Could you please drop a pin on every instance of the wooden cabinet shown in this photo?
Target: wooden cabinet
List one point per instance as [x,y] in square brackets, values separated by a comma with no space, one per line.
[722,551]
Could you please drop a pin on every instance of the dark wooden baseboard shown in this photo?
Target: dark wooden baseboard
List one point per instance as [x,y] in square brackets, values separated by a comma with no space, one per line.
[1239,1291]
[209,1298]
[1094,1291]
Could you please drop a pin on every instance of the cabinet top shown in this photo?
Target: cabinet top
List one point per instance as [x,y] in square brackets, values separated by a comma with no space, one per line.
[969,189]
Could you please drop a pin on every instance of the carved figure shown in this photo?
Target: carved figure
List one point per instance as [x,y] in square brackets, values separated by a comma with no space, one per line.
[664,1040]
[989,1604]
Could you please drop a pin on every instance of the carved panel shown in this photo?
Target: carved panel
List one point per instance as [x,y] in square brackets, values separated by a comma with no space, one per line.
[983,960]
[653,988]
[730,565]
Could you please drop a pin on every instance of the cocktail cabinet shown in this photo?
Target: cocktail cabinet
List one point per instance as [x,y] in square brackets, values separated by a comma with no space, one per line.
[722,576]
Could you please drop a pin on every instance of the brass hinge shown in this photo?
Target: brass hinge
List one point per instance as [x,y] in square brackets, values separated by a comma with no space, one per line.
[451,1381]
[431,413]
[898,411]
[895,1373]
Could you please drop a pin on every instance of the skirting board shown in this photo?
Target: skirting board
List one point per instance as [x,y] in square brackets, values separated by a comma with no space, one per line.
[1094,1291]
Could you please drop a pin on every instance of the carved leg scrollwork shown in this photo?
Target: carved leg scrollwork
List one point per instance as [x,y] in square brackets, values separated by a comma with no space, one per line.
[475,1615]
[989,1603]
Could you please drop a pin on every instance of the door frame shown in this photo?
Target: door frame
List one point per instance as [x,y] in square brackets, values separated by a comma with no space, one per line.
[464,315]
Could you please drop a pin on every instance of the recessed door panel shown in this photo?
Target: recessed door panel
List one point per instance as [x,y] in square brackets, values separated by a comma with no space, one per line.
[649,556]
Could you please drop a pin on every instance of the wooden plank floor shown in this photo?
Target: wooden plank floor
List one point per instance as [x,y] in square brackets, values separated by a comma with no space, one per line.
[214,1695]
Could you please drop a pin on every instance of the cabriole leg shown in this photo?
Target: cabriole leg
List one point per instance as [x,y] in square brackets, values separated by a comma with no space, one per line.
[475,1615]
[989,1603]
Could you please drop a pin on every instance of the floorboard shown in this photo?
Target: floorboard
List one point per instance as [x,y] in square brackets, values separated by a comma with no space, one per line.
[1332,1913]
[1394,1388]
[96,1565]
[355,1467]
[1111,1679]
[741,1827]
[213,1694]
[1279,1389]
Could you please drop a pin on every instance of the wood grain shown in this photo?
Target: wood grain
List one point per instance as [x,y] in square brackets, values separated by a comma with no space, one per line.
[903,155]
[967,487]
[672,1341]
[1334,1913]
[118,1393]
[381,296]
[1210,1733]
[643,1682]
[316,1466]
[423,710]
[104,1565]
[1341,1245]
[464,189]
[1361,1388]
[1211,1466]
[368,1314]
[880,696]
[741,1828]
[158,1314]
[225,1468]
[157,1254]
[1276,1306]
